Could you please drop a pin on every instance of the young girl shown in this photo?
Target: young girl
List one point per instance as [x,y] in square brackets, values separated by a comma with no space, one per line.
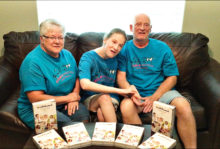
[97,73]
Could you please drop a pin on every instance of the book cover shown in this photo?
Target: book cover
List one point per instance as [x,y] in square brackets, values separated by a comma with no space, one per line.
[158,140]
[163,116]
[76,135]
[129,136]
[45,115]
[104,133]
[49,139]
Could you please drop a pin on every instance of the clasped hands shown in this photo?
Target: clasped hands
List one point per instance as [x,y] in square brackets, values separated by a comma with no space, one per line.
[145,103]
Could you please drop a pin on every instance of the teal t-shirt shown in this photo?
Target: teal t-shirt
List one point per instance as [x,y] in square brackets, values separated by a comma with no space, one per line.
[146,68]
[98,70]
[40,71]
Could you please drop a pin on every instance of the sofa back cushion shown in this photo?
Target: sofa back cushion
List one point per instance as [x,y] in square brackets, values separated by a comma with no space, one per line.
[19,44]
[190,51]
[70,43]
[88,41]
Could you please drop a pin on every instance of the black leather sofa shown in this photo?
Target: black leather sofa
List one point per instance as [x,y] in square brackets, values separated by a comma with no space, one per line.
[199,80]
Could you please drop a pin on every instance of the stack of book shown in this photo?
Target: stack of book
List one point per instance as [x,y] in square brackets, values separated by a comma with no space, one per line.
[104,134]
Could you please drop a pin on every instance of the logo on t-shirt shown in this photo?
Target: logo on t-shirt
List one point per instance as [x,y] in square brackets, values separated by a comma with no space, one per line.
[68,65]
[149,59]
[142,63]
[112,71]
[62,73]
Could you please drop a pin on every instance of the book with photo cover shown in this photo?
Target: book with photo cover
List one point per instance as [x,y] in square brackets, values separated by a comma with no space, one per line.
[158,140]
[104,133]
[129,136]
[49,139]
[163,116]
[45,115]
[76,135]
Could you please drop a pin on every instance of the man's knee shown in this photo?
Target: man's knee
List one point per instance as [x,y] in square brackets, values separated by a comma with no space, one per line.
[182,105]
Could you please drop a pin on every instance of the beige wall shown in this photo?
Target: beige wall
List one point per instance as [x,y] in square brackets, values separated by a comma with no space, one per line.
[17,16]
[204,17]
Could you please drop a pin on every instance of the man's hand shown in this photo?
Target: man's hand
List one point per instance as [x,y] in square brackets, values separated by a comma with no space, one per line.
[136,98]
[148,103]
[72,107]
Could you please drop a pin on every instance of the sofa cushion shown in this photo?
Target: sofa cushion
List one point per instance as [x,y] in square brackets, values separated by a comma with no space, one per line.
[18,45]
[70,43]
[190,51]
[198,111]
[88,41]
[8,80]
[9,116]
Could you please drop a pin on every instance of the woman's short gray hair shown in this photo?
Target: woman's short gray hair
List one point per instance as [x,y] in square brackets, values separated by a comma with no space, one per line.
[45,26]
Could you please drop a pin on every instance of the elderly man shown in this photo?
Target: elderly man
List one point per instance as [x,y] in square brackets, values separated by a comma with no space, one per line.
[149,65]
[50,72]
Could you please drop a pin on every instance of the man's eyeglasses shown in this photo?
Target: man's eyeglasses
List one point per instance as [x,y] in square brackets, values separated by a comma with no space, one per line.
[145,25]
[53,38]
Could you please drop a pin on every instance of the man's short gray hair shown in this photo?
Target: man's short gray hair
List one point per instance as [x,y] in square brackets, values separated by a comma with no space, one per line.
[45,26]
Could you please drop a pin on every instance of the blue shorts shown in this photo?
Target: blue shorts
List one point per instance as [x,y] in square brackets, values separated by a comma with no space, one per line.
[170,95]
[166,98]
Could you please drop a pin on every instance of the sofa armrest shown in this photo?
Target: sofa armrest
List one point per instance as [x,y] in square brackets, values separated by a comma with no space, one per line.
[9,80]
[206,89]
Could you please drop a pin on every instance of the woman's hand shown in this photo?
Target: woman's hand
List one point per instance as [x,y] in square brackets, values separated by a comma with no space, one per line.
[73,97]
[129,92]
[72,107]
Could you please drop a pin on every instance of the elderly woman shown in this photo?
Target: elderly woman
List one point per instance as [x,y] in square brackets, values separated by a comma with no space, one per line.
[50,72]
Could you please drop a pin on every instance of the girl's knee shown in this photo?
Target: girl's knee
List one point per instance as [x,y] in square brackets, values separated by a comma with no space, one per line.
[105,98]
[100,115]
[126,105]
